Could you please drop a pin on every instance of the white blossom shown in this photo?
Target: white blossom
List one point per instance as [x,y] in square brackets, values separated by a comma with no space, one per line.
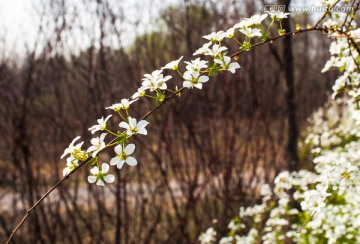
[251,32]
[208,236]
[196,65]
[173,65]
[226,64]
[100,126]
[123,156]
[194,79]
[215,36]
[124,104]
[73,148]
[278,15]
[101,176]
[155,81]
[71,164]
[134,127]
[98,144]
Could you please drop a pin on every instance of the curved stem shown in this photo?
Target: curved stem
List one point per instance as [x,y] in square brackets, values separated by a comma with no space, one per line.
[143,117]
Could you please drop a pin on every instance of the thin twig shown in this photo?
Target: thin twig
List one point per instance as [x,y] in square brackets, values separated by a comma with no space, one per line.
[143,117]
[280,36]
[323,17]
[303,226]
[77,168]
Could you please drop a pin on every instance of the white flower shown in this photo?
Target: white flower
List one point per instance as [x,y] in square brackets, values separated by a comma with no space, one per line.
[208,236]
[193,79]
[226,65]
[250,32]
[73,148]
[123,156]
[256,19]
[71,164]
[174,65]
[196,65]
[204,49]
[330,23]
[100,126]
[98,144]
[278,15]
[242,24]
[100,176]
[216,50]
[155,80]
[314,200]
[140,93]
[332,62]
[215,36]
[124,104]
[134,127]
[229,33]
[355,34]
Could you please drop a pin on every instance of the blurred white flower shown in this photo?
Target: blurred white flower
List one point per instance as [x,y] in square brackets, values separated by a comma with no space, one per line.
[98,144]
[196,65]
[124,104]
[251,32]
[123,156]
[134,127]
[208,236]
[155,80]
[73,148]
[278,15]
[101,176]
[194,79]
[215,36]
[173,65]
[71,164]
[226,65]
[100,126]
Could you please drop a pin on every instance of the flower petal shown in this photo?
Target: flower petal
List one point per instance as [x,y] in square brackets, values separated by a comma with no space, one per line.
[120,164]
[115,161]
[142,124]
[129,149]
[66,171]
[142,131]
[203,79]
[187,84]
[105,168]
[124,125]
[109,178]
[92,148]
[102,136]
[132,122]
[94,170]
[198,85]
[131,161]
[91,179]
[100,183]
[118,149]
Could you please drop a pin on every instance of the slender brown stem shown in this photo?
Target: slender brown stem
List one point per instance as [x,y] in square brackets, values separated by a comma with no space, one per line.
[324,15]
[143,117]
[42,198]
[270,40]
[77,168]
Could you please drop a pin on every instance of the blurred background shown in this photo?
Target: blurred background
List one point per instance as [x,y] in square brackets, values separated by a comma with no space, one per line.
[63,61]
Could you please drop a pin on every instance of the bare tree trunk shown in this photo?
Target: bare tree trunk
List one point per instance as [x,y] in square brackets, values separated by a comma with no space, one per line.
[293,158]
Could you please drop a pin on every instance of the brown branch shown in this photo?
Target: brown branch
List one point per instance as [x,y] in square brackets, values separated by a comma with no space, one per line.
[77,168]
[324,15]
[143,117]
[270,40]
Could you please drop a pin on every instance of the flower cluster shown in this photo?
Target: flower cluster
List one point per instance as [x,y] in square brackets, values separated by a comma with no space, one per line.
[319,206]
[157,85]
